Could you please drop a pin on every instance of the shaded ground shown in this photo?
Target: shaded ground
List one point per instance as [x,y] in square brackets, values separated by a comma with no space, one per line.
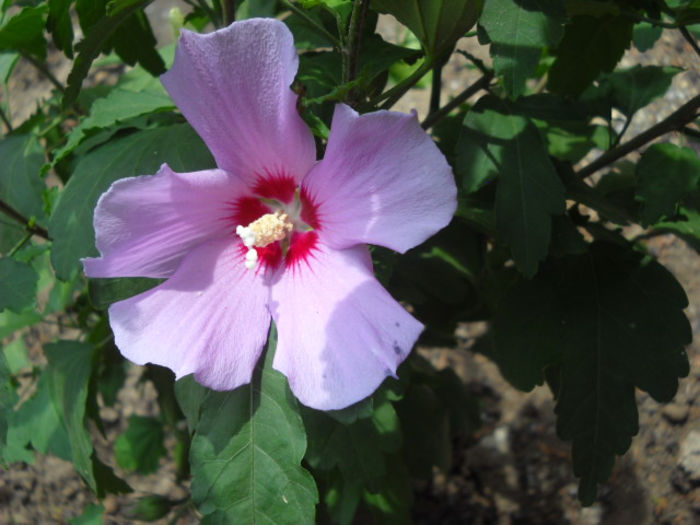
[516,471]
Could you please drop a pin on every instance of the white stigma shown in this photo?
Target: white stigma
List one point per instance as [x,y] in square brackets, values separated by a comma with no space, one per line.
[269,228]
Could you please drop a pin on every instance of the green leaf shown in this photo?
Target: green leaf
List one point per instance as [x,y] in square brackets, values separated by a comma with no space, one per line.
[137,154]
[104,292]
[666,174]
[519,31]
[495,142]
[17,284]
[20,184]
[590,46]
[646,35]
[70,365]
[612,320]
[92,515]
[141,446]
[8,398]
[16,355]
[246,452]
[150,508]
[634,88]
[37,424]
[686,226]
[24,32]
[358,449]
[60,26]
[119,105]
[7,65]
[438,24]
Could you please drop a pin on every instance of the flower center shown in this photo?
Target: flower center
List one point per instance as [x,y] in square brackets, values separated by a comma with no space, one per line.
[269,228]
[278,223]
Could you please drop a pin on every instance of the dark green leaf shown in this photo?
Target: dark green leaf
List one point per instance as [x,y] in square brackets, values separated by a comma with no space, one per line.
[8,398]
[391,504]
[24,32]
[104,292]
[137,154]
[590,46]
[246,453]
[70,365]
[686,226]
[60,26]
[18,282]
[665,173]
[106,480]
[20,184]
[92,515]
[612,320]
[495,142]
[646,35]
[638,86]
[437,23]
[102,33]
[150,508]
[519,31]
[141,446]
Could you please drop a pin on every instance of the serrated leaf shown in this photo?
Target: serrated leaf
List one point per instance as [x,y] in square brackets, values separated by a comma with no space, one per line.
[25,32]
[665,174]
[119,105]
[100,29]
[612,320]
[69,368]
[60,26]
[438,24]
[37,424]
[246,453]
[636,87]
[17,284]
[495,142]
[20,184]
[358,449]
[590,46]
[141,446]
[140,153]
[519,31]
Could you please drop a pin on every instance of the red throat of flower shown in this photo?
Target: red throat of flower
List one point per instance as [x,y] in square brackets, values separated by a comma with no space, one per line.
[278,224]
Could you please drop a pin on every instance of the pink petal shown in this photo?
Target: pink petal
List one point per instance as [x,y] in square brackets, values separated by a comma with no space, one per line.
[210,318]
[382,181]
[233,87]
[339,332]
[145,225]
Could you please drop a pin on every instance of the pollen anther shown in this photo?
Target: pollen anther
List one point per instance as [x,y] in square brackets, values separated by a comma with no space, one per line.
[269,228]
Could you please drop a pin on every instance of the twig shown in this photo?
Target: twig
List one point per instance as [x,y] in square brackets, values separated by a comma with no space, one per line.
[394,94]
[28,225]
[675,121]
[689,38]
[41,67]
[228,10]
[352,54]
[441,113]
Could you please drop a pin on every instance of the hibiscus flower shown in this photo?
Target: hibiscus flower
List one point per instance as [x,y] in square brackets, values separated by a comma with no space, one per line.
[272,233]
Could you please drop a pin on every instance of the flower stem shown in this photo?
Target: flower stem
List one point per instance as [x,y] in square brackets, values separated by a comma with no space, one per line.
[27,223]
[675,121]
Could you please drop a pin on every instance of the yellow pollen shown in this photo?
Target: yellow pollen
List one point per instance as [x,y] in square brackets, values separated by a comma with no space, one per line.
[270,228]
